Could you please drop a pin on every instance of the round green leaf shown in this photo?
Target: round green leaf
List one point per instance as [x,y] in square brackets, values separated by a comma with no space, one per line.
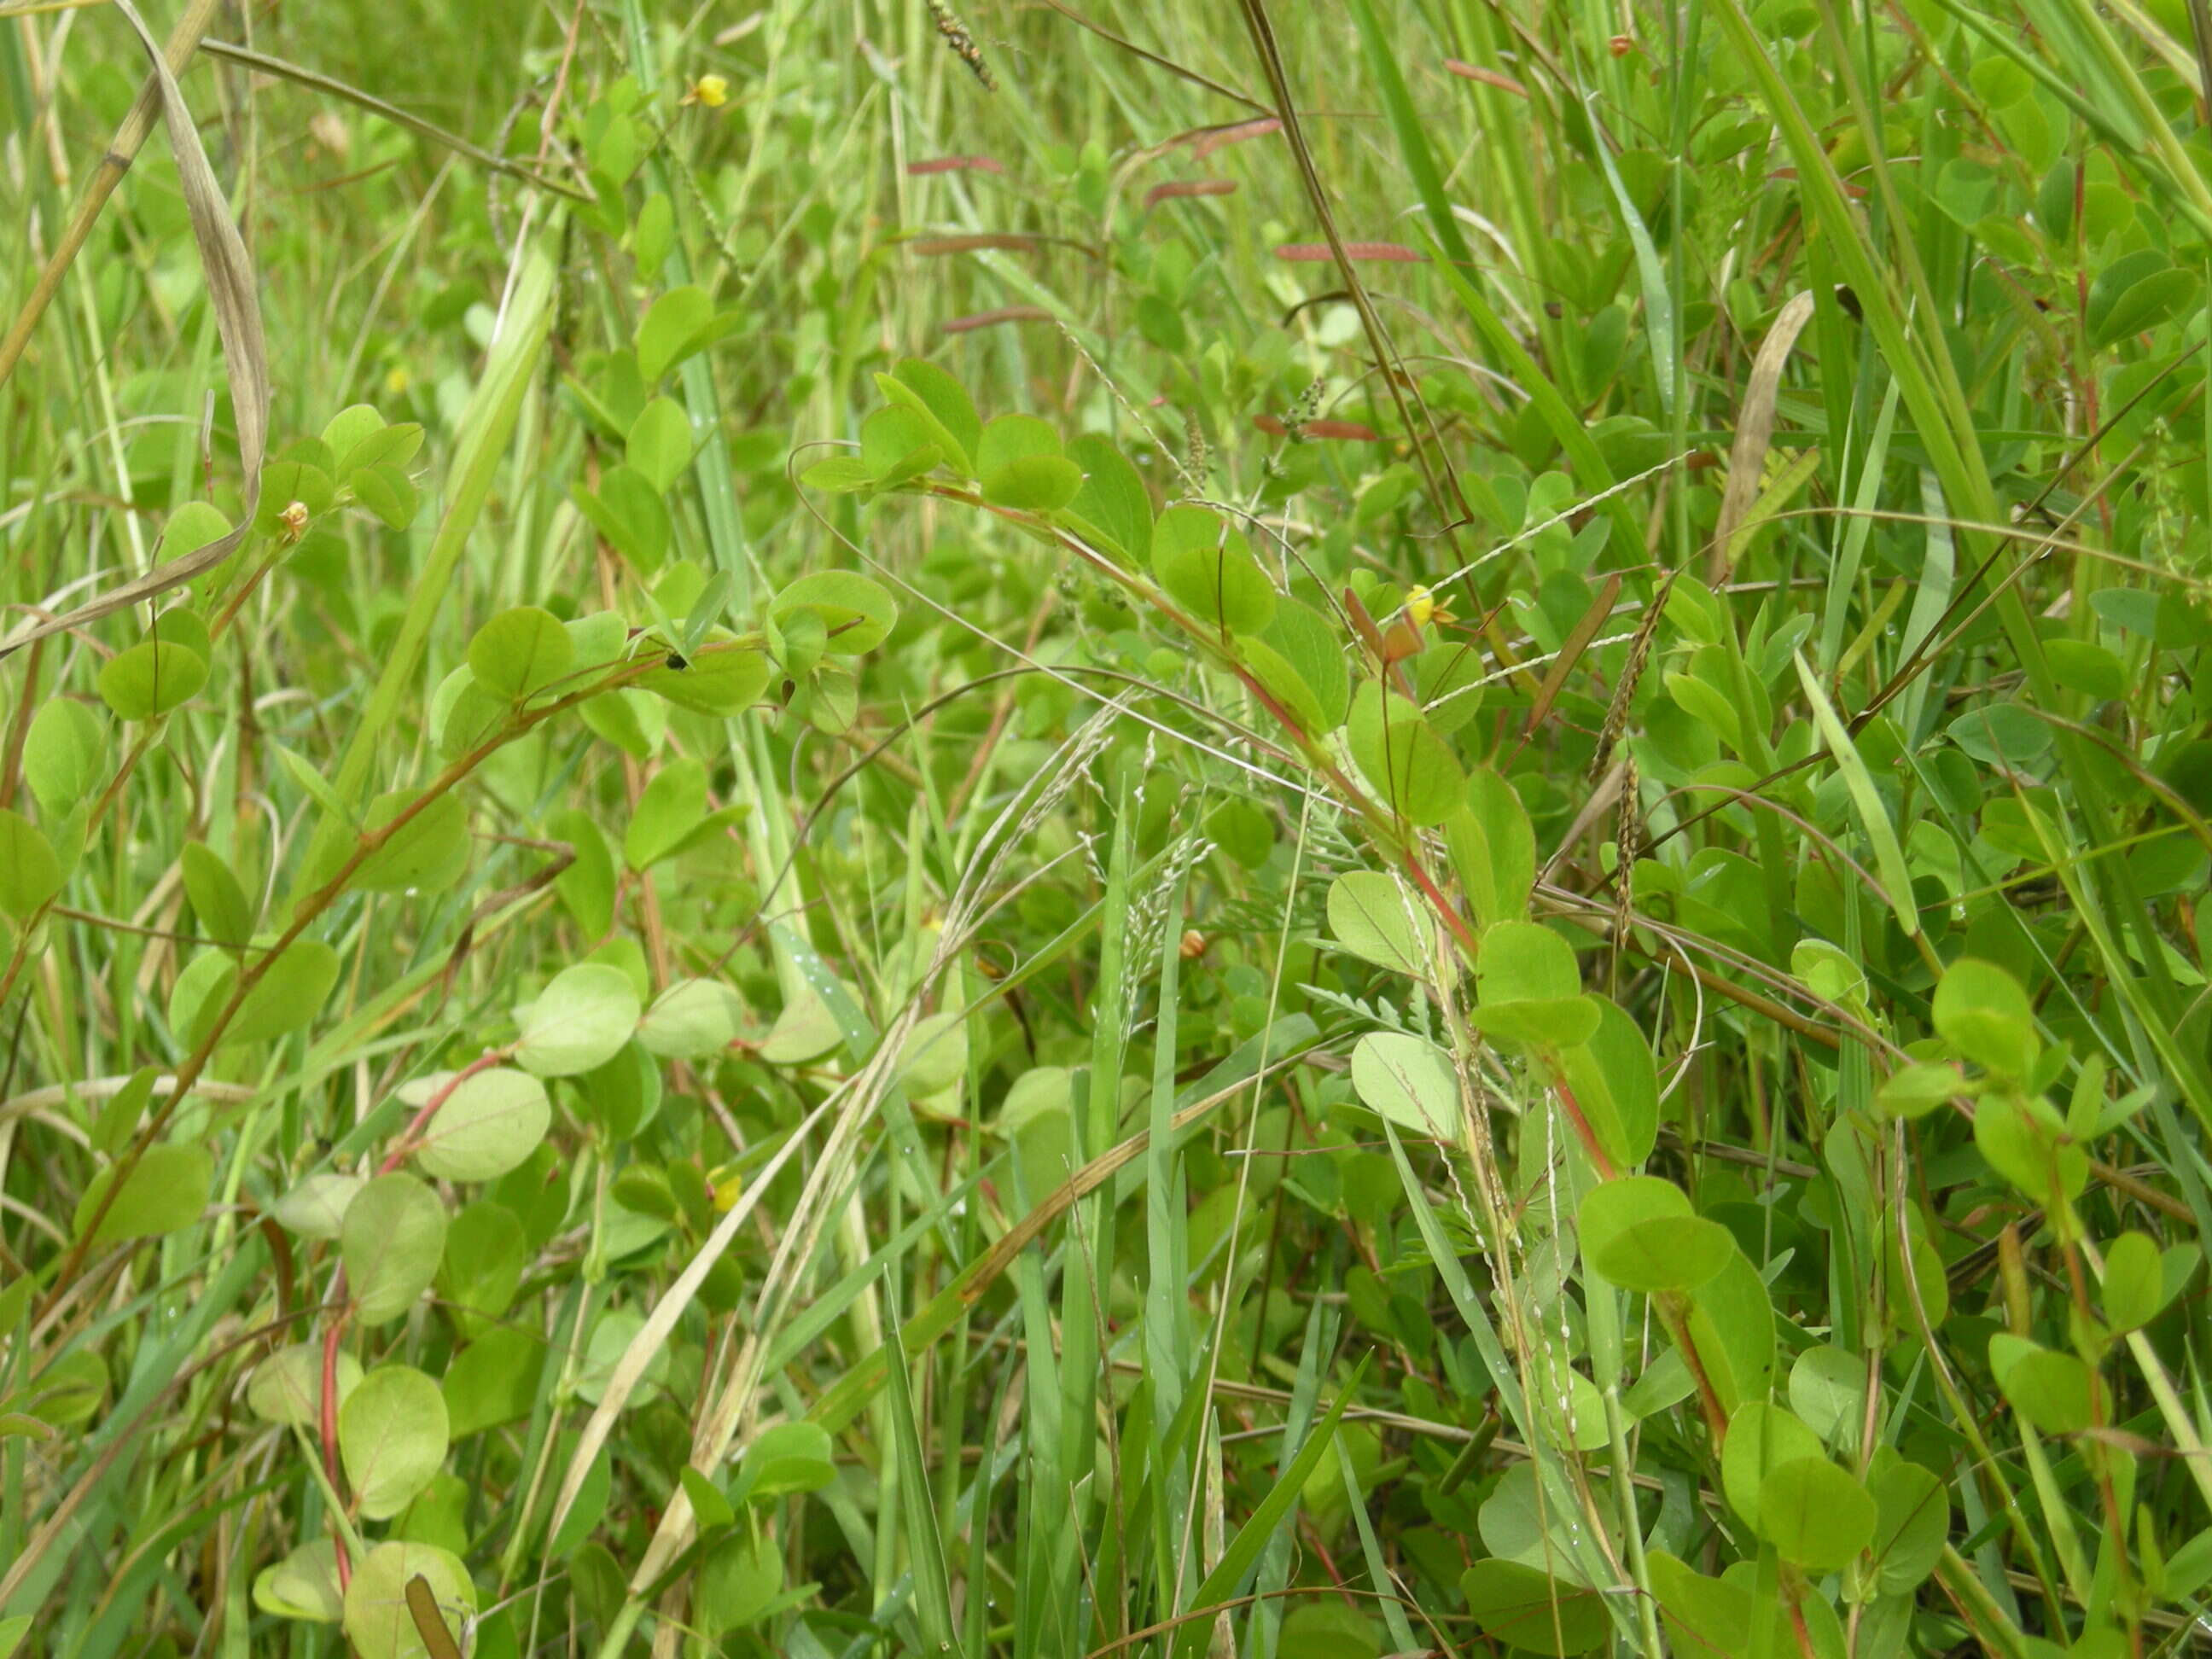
[1409,1080]
[316,1206]
[789,1457]
[2057,1392]
[219,900]
[1912,1526]
[935,1054]
[164,1193]
[691,1020]
[63,753]
[1034,483]
[660,445]
[1208,569]
[30,874]
[287,1388]
[1532,1611]
[1378,922]
[1814,1514]
[392,1437]
[427,854]
[377,1620]
[1408,765]
[856,612]
[393,1237]
[1981,1011]
[669,324]
[303,1585]
[1827,1389]
[1732,1326]
[520,651]
[578,1021]
[1640,1232]
[491,1123]
[1761,1438]
[285,998]
[150,678]
[721,681]
[1011,438]
[2134,1281]
[739,1579]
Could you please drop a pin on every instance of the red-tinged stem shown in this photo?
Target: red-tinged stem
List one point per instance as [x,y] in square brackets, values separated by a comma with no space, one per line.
[409,1137]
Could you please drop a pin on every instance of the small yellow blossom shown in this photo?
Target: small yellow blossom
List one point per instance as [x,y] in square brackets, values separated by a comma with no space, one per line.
[711,90]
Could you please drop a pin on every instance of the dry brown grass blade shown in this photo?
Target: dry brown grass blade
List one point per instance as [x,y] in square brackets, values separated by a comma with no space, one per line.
[261,63]
[230,277]
[1754,428]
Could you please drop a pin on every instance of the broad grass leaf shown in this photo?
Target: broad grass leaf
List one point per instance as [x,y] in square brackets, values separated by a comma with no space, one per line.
[1532,1612]
[1409,1080]
[578,1021]
[1815,1514]
[287,1387]
[488,1125]
[391,1439]
[377,1620]
[391,1240]
[1640,1232]
[164,1192]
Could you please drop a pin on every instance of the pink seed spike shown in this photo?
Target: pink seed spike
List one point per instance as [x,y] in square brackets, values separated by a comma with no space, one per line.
[953,164]
[1188,187]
